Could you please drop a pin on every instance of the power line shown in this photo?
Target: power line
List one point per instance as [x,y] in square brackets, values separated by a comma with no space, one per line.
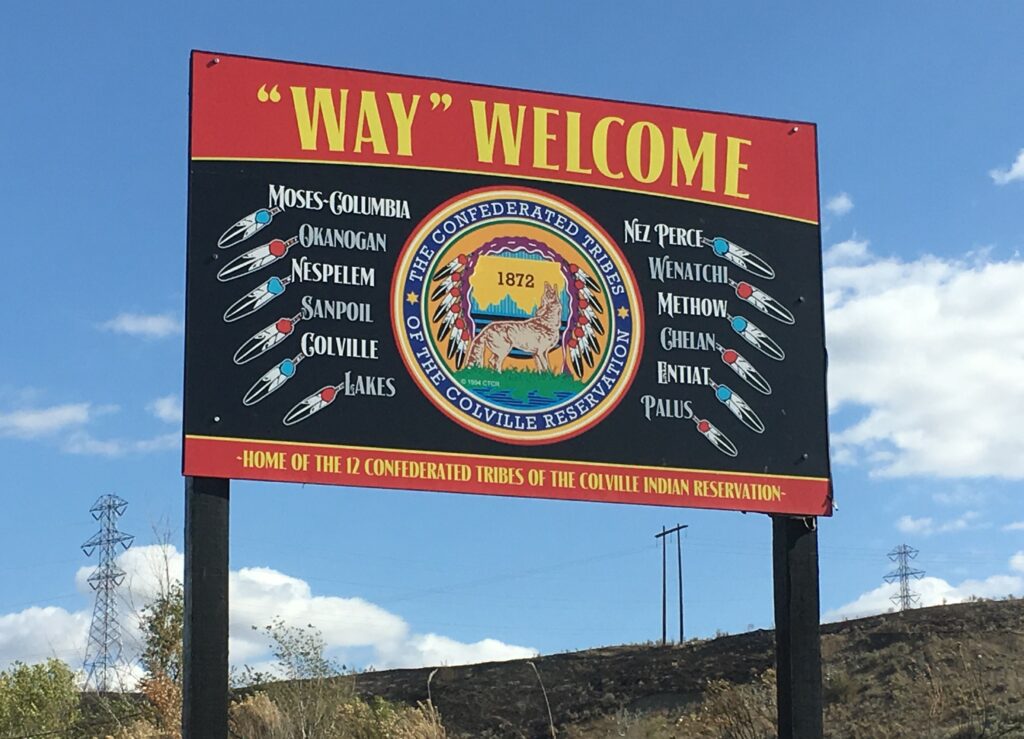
[104,649]
[501,577]
[905,598]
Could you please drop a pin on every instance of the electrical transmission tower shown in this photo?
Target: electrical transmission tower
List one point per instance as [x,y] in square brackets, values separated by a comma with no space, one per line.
[104,650]
[902,556]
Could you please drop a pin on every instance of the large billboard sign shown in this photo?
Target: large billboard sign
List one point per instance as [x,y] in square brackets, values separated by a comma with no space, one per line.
[412,283]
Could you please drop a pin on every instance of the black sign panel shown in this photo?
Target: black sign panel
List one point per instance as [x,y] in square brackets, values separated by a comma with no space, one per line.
[397,325]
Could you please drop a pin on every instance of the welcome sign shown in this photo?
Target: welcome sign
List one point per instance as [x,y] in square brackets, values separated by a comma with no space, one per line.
[409,283]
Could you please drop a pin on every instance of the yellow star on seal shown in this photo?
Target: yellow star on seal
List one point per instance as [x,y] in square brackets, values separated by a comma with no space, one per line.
[623,312]
[412,298]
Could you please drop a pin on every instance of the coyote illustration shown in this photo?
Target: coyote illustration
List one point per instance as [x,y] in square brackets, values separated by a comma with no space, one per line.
[536,335]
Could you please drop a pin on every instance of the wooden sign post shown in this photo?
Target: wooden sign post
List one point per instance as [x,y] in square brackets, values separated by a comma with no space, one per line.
[797,636]
[205,657]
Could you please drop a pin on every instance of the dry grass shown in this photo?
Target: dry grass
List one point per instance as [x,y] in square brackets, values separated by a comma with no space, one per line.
[379,720]
[257,717]
[950,673]
[727,711]
[892,681]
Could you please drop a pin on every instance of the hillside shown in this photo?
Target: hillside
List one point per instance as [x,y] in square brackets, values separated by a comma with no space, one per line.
[946,671]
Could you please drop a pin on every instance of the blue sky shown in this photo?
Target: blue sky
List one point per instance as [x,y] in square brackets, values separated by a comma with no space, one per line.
[922,177]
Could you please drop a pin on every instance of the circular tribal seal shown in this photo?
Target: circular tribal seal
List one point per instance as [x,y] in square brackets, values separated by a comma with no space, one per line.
[517,315]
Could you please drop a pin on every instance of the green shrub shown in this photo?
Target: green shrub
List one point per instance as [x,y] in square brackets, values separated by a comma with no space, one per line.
[38,698]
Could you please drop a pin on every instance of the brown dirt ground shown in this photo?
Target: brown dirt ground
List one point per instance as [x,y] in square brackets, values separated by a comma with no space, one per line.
[947,671]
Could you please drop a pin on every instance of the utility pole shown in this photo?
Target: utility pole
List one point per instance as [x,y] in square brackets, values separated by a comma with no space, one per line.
[664,634]
[664,586]
[104,649]
[905,598]
[679,569]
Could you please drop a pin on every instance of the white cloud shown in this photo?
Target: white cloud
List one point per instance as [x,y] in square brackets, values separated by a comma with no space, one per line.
[846,253]
[82,442]
[910,525]
[926,526]
[257,596]
[150,326]
[839,205]
[29,424]
[961,496]
[159,443]
[67,423]
[149,569]
[933,591]
[928,352]
[1014,526]
[1012,173]
[432,649]
[1017,562]
[967,521]
[36,634]
[166,408]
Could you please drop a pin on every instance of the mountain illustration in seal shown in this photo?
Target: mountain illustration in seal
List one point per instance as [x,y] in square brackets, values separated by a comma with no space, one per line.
[506,310]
